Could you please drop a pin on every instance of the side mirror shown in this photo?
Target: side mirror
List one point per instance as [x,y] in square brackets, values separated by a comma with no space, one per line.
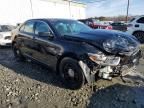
[45,34]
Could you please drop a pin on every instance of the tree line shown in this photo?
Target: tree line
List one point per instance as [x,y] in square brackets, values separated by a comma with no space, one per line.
[114,18]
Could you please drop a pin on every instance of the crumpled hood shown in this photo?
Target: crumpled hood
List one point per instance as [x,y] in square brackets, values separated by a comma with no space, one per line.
[98,37]
[5,34]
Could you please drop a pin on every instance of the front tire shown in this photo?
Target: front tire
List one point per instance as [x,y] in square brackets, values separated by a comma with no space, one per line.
[17,53]
[139,36]
[71,73]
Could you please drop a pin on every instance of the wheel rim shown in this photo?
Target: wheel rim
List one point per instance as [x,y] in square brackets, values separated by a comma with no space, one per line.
[16,51]
[70,75]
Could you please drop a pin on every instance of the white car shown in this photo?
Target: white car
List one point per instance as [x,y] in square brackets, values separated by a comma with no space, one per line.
[5,35]
[136,28]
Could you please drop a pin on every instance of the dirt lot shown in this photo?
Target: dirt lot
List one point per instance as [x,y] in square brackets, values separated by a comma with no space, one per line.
[29,85]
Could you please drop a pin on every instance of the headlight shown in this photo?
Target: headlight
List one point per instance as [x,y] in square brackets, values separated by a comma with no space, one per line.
[118,45]
[1,36]
[101,59]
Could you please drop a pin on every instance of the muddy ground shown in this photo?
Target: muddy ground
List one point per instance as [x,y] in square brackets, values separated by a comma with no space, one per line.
[30,85]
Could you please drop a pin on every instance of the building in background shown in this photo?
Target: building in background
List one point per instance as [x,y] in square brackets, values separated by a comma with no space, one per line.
[17,11]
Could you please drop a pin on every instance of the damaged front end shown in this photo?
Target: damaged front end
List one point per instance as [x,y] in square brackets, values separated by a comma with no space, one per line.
[103,67]
[109,67]
[122,60]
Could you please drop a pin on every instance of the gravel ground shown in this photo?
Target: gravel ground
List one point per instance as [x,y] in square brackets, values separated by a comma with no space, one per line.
[29,85]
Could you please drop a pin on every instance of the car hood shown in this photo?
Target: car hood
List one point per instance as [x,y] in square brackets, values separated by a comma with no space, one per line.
[5,33]
[98,37]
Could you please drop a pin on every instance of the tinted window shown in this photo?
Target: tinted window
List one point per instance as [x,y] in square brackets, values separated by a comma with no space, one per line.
[41,27]
[141,20]
[28,27]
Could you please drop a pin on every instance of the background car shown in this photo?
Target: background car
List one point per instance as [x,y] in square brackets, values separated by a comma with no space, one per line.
[119,26]
[136,28]
[96,24]
[5,35]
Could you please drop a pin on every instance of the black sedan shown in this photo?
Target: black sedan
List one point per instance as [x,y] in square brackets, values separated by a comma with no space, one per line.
[79,53]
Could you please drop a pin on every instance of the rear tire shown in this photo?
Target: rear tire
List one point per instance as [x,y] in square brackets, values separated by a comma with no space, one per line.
[71,73]
[17,53]
[139,36]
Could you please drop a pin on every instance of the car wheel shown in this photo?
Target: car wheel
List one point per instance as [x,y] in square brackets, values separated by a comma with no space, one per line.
[139,36]
[71,73]
[17,53]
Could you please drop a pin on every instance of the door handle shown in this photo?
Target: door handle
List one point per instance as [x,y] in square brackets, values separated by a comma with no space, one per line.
[136,25]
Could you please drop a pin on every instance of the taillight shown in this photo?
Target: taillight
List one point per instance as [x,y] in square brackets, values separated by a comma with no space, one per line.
[109,28]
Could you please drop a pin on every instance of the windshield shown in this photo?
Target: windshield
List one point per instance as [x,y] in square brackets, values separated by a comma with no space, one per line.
[65,27]
[6,28]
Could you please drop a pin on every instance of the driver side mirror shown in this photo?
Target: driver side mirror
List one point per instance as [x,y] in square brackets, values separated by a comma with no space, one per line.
[46,34]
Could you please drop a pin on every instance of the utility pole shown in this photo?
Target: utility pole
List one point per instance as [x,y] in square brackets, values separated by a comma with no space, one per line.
[70,8]
[127,11]
[31,8]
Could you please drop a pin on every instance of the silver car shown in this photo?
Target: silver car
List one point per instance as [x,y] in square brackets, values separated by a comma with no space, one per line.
[5,35]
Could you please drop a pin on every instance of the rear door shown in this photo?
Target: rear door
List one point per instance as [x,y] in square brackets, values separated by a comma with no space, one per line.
[46,49]
[26,36]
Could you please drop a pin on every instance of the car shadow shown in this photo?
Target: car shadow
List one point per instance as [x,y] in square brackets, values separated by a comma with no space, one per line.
[118,96]
[32,70]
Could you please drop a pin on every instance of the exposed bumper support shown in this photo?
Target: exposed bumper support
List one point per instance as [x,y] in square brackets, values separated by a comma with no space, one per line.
[87,72]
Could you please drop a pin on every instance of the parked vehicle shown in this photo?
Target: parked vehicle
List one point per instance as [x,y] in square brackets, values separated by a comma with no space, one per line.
[119,26]
[96,24]
[136,28]
[79,53]
[5,35]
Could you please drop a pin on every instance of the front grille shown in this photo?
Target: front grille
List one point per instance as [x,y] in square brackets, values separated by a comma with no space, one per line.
[8,37]
[8,44]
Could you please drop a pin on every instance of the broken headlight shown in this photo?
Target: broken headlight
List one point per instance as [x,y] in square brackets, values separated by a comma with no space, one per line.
[97,57]
[101,59]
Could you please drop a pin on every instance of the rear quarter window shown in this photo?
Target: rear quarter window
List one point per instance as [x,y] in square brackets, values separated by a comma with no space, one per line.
[21,28]
[132,20]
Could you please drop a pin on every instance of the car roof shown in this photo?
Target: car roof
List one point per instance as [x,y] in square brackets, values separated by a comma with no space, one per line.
[139,16]
[50,19]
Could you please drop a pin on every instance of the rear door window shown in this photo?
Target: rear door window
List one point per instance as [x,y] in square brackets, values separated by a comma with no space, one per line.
[141,20]
[28,27]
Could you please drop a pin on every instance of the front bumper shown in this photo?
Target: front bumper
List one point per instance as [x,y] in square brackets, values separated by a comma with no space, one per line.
[126,65]
[5,42]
